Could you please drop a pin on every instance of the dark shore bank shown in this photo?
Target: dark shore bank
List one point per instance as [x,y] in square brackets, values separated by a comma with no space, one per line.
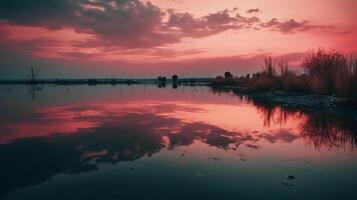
[329,104]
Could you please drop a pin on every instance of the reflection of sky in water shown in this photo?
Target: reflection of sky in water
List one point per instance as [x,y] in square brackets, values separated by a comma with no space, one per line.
[189,131]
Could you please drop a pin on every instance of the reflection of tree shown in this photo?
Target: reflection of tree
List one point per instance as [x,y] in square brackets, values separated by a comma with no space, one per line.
[34,160]
[32,90]
[209,134]
[318,128]
[220,91]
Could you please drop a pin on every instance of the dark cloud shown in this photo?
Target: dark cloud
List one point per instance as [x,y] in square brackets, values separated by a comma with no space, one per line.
[211,24]
[127,23]
[125,26]
[292,26]
[50,13]
[253,10]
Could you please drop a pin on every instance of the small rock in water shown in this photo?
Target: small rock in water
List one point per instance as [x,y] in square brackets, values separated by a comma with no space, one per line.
[199,175]
[291,177]
[132,168]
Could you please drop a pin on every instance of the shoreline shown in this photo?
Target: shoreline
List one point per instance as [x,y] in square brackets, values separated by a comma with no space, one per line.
[103,81]
[329,104]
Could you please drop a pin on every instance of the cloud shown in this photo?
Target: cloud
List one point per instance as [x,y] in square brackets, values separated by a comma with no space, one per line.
[122,27]
[253,10]
[211,24]
[293,26]
[26,45]
[126,23]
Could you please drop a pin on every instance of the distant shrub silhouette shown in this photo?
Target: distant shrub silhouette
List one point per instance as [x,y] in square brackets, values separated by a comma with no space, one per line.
[174,78]
[161,79]
[228,75]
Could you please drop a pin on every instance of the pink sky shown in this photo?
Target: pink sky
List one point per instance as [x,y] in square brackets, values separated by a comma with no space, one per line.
[85,38]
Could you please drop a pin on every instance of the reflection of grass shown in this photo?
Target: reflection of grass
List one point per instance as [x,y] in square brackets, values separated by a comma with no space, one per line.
[319,129]
[328,130]
[327,72]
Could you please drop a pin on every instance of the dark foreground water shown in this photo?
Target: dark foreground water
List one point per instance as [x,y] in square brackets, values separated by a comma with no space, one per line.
[144,142]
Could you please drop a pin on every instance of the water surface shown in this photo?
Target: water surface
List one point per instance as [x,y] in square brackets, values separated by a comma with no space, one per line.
[145,142]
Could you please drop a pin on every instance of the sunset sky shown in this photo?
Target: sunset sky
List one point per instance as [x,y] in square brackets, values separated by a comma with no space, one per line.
[200,38]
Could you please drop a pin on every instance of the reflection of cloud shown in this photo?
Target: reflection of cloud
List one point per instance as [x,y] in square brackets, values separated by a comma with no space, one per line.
[111,133]
[282,135]
[209,134]
[34,160]
[44,121]
[116,137]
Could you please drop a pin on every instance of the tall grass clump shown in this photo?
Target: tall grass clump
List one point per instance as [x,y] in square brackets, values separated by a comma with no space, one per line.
[269,79]
[331,72]
[268,68]
[266,79]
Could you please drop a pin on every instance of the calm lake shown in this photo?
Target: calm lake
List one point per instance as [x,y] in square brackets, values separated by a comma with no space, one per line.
[146,142]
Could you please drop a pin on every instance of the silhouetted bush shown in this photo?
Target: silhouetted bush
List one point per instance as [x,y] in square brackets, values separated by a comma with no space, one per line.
[174,78]
[228,75]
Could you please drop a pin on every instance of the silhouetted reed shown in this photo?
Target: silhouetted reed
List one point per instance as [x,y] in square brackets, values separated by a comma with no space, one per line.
[330,72]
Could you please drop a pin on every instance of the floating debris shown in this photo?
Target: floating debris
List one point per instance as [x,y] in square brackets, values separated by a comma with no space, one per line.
[199,175]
